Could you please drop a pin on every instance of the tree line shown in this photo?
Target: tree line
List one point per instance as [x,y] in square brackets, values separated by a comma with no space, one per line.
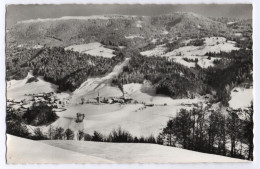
[168,77]
[212,131]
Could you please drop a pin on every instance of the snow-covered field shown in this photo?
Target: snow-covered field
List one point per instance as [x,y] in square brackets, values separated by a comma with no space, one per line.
[134,36]
[165,32]
[138,119]
[92,86]
[240,98]
[157,51]
[212,44]
[37,46]
[94,49]
[138,152]
[24,151]
[20,151]
[16,89]
[203,61]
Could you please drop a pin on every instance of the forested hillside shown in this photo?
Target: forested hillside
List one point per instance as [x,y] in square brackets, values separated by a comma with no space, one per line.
[128,36]
[67,69]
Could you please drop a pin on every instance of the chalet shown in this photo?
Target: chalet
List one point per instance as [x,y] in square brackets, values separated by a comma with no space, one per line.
[126,99]
[118,100]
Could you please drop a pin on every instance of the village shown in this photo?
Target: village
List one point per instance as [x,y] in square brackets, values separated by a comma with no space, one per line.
[50,99]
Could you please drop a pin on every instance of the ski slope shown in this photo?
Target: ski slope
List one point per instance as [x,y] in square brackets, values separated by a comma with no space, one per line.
[91,87]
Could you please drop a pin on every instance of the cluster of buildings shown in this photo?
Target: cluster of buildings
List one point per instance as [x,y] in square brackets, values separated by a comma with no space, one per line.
[49,99]
[110,100]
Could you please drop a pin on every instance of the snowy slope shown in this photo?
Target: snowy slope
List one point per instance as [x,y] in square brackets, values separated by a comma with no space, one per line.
[16,89]
[138,119]
[240,98]
[92,86]
[211,44]
[24,151]
[138,152]
[94,49]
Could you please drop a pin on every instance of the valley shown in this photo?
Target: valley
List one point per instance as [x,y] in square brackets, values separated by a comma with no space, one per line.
[75,83]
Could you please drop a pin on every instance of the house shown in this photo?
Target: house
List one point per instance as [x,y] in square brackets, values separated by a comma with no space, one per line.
[80,117]
[149,105]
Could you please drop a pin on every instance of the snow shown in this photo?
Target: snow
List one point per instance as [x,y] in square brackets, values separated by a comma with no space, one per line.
[138,25]
[238,34]
[37,46]
[24,151]
[212,44]
[91,17]
[121,47]
[241,98]
[94,49]
[203,61]
[138,119]
[16,89]
[138,152]
[231,23]
[92,86]
[157,51]
[66,18]
[20,45]
[154,40]
[165,32]
[134,36]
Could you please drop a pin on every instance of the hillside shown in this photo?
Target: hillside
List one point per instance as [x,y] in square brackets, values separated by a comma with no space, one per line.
[19,152]
[24,151]
[67,31]
[189,23]
[175,79]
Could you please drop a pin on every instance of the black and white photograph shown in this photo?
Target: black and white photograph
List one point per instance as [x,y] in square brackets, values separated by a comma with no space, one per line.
[129,83]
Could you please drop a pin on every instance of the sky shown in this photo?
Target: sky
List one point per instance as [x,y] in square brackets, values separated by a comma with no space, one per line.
[17,13]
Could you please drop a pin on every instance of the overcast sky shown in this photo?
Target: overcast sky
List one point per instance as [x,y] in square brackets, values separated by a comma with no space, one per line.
[24,12]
